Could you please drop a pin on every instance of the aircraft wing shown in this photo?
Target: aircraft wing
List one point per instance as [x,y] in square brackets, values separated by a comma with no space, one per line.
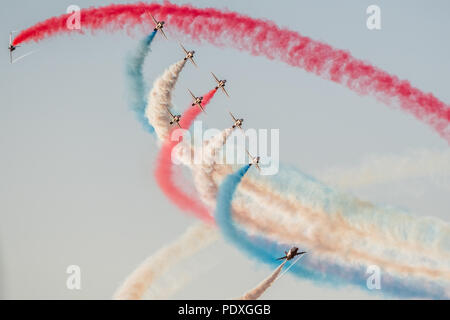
[10,56]
[201,107]
[168,110]
[185,51]
[153,18]
[215,77]
[193,96]
[251,157]
[10,38]
[234,119]
[257,166]
[282,258]
[179,124]
[225,91]
[192,60]
[162,32]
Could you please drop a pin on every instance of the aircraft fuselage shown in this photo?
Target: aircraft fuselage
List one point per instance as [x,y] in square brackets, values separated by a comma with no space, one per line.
[198,100]
[238,123]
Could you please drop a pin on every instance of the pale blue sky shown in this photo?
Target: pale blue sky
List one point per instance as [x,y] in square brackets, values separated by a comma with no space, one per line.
[76,168]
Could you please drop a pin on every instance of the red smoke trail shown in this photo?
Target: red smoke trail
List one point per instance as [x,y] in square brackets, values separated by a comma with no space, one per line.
[261,37]
[165,176]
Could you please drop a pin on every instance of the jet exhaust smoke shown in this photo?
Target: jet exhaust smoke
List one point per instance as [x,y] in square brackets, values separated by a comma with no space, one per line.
[160,100]
[326,271]
[164,168]
[194,239]
[263,286]
[203,173]
[134,72]
[262,38]
[265,38]
[380,169]
[270,199]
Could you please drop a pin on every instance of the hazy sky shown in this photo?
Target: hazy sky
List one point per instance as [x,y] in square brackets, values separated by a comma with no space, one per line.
[76,167]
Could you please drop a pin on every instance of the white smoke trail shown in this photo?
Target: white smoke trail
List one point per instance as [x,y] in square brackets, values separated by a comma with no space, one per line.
[367,236]
[203,173]
[331,236]
[256,292]
[207,189]
[386,231]
[159,100]
[171,284]
[194,239]
[364,240]
[378,169]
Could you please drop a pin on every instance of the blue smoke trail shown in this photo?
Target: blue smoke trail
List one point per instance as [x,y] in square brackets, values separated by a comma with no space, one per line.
[267,251]
[313,193]
[135,77]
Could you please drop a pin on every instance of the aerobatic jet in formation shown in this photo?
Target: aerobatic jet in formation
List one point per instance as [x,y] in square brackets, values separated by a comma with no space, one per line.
[197,100]
[189,55]
[159,25]
[237,122]
[175,118]
[254,161]
[11,47]
[289,255]
[220,84]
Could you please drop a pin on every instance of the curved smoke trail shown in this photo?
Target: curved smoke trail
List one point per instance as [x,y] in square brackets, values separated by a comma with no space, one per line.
[263,286]
[160,100]
[321,220]
[134,72]
[314,268]
[164,173]
[359,76]
[203,173]
[330,235]
[264,38]
[380,169]
[194,239]
[347,229]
